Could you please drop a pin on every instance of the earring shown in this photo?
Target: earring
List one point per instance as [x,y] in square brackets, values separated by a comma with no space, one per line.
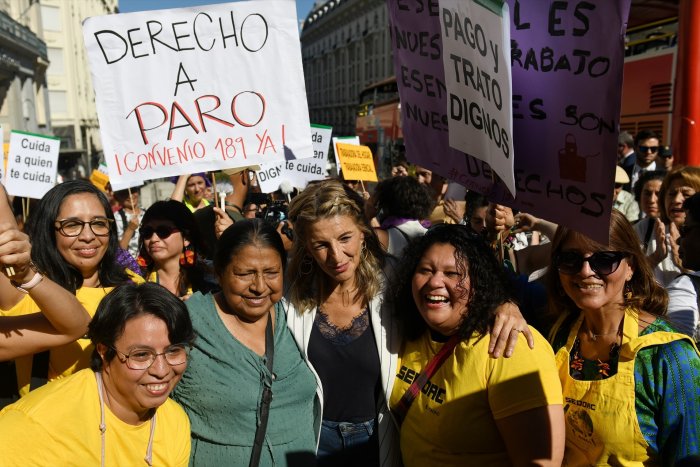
[187,257]
[364,254]
[143,260]
[628,291]
[306,266]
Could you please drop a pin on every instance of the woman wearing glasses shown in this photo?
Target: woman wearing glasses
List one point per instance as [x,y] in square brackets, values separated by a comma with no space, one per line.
[62,319]
[630,381]
[169,252]
[74,244]
[118,411]
[249,394]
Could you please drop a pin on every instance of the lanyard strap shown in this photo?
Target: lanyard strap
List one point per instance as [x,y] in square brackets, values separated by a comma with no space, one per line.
[266,396]
[103,427]
[433,365]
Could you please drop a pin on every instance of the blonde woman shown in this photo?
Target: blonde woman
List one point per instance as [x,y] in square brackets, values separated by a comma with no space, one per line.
[344,325]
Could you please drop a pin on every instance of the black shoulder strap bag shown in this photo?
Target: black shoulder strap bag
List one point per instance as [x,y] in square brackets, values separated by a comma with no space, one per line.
[266,396]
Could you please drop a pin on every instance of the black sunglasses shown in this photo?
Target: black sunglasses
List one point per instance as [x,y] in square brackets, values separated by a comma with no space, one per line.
[602,263]
[163,231]
[648,148]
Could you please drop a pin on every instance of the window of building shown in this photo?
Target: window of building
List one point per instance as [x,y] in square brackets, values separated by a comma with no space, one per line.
[59,102]
[55,61]
[51,18]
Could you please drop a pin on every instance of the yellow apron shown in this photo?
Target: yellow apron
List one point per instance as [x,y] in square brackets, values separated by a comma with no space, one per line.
[601,421]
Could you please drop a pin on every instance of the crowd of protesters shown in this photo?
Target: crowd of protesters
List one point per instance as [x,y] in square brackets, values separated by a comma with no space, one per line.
[352,325]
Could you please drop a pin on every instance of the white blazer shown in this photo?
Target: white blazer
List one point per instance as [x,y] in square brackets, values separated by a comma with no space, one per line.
[388,342]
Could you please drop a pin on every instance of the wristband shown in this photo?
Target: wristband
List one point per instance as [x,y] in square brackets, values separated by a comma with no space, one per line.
[29,285]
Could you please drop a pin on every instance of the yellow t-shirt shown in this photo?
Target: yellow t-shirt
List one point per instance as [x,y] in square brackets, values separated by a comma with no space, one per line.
[59,424]
[68,358]
[451,421]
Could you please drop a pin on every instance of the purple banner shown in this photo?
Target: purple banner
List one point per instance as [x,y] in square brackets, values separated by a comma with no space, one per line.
[567,60]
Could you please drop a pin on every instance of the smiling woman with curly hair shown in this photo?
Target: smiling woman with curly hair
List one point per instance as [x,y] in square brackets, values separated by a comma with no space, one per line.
[472,410]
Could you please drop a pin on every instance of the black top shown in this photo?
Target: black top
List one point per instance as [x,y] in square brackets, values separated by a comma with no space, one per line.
[347,362]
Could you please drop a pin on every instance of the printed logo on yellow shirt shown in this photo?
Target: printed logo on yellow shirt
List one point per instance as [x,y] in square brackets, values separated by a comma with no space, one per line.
[579,422]
[432,391]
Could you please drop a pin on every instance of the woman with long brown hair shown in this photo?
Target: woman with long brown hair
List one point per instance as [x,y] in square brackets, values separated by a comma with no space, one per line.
[630,381]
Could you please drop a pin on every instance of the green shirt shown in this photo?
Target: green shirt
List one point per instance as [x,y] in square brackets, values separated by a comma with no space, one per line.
[222,387]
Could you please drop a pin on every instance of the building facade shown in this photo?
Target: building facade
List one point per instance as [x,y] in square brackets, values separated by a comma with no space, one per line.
[45,83]
[23,64]
[345,47]
[71,95]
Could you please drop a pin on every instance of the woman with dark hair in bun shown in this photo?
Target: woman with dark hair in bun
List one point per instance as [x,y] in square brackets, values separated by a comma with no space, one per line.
[249,394]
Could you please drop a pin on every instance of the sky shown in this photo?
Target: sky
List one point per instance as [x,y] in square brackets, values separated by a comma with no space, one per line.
[128,6]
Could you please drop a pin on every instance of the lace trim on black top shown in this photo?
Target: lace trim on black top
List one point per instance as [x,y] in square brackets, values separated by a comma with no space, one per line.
[342,335]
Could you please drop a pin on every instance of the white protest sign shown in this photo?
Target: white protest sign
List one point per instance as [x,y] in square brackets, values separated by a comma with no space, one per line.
[197,89]
[313,168]
[476,57]
[119,184]
[124,183]
[270,176]
[298,172]
[320,139]
[32,164]
[345,140]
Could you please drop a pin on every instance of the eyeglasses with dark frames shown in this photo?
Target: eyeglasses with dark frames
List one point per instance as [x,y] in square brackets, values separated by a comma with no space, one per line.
[72,227]
[603,263]
[143,359]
